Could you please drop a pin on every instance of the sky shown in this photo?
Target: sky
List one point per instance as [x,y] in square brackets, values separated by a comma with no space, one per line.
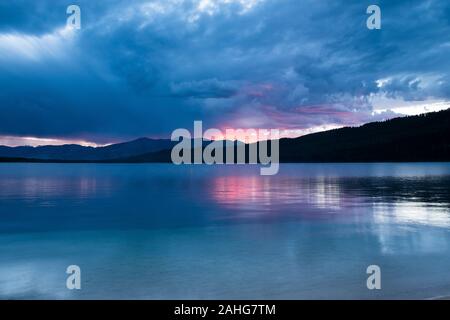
[145,68]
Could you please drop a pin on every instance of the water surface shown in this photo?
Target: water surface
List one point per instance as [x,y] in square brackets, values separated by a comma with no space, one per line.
[157,231]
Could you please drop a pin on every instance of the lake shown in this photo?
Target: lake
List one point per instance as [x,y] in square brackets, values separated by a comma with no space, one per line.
[159,231]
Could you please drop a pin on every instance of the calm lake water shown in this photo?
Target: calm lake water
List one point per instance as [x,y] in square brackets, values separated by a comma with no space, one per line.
[156,231]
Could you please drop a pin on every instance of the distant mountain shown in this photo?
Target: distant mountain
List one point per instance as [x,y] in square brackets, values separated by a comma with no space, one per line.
[163,156]
[410,139]
[424,137]
[81,153]
[416,138]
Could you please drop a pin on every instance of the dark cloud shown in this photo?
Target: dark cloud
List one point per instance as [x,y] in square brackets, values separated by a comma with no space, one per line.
[147,67]
[208,88]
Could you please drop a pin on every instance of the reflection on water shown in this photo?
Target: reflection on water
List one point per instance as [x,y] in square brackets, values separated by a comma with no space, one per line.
[413,200]
[412,213]
[37,188]
[161,231]
[264,193]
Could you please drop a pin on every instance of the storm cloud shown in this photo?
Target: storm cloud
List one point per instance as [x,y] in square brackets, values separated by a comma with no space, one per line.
[145,68]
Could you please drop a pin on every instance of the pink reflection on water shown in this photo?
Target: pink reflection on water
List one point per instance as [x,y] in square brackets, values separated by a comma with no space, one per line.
[258,195]
[237,190]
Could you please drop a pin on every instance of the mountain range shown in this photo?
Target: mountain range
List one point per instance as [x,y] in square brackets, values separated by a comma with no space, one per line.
[73,152]
[423,137]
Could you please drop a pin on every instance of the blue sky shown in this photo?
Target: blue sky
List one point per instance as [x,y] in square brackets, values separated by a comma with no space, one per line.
[145,68]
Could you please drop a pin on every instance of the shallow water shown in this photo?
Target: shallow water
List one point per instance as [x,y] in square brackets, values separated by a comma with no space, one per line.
[157,231]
